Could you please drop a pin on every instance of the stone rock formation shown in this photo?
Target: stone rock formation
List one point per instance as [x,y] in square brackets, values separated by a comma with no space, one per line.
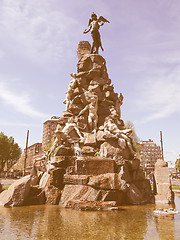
[164,195]
[17,193]
[91,164]
[92,157]
[92,121]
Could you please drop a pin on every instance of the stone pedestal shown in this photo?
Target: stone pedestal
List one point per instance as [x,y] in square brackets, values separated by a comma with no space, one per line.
[94,166]
[83,48]
[165,194]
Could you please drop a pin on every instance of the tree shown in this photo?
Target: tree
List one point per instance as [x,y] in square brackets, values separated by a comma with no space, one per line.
[178,164]
[135,140]
[9,151]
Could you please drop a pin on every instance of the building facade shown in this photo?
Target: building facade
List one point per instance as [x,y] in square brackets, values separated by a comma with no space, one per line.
[49,127]
[33,152]
[149,154]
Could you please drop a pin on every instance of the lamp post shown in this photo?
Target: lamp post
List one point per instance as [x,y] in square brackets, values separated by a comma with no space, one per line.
[161,145]
[24,172]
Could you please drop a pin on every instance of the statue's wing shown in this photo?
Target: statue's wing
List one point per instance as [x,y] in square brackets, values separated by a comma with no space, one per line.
[102,19]
[90,20]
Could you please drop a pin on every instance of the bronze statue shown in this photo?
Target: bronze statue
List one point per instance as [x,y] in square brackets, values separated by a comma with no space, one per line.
[94,25]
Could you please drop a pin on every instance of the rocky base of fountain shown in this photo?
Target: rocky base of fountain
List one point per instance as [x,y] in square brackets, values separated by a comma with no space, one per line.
[91,163]
[93,189]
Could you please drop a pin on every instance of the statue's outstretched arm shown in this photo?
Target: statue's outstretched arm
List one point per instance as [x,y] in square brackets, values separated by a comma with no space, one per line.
[101,24]
[87,30]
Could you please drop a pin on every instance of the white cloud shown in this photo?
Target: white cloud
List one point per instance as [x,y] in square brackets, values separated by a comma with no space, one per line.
[35,29]
[19,101]
[160,97]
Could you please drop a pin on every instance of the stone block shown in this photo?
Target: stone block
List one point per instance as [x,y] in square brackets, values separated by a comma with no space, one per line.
[92,205]
[78,192]
[162,175]
[70,160]
[94,166]
[17,193]
[163,183]
[145,188]
[83,48]
[76,179]
[161,163]
[85,64]
[103,181]
[111,149]
[56,177]
[88,195]
[100,136]
[165,195]
[89,139]
[106,181]
[112,195]
[134,196]
[58,161]
[64,151]
[87,150]
[36,196]
[53,195]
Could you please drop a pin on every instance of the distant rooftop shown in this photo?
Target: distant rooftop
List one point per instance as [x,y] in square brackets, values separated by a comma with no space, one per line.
[53,119]
[150,142]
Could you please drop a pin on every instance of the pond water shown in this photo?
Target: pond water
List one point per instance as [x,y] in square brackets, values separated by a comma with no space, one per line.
[53,222]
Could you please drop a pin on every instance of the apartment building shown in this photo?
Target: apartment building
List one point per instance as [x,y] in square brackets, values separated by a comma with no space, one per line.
[33,152]
[149,153]
[49,127]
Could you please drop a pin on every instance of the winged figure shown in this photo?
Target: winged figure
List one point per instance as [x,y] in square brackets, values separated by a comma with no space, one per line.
[93,26]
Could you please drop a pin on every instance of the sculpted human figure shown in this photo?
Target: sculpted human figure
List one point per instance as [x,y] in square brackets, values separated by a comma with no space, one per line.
[69,92]
[61,134]
[92,117]
[70,126]
[94,25]
[119,102]
[123,135]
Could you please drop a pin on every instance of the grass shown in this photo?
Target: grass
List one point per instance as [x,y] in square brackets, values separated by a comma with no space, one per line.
[175,187]
[5,187]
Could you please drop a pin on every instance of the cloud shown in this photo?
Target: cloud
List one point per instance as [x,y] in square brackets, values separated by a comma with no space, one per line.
[160,97]
[36,29]
[19,101]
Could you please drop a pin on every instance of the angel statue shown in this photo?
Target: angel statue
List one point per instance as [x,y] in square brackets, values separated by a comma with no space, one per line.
[94,25]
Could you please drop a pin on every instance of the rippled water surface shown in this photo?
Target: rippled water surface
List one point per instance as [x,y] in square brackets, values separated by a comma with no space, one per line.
[53,222]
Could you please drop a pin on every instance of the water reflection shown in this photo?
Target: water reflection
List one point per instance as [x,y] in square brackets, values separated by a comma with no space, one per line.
[168,221]
[53,222]
[165,233]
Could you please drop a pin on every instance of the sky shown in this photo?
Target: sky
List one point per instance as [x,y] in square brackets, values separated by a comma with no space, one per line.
[38,41]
